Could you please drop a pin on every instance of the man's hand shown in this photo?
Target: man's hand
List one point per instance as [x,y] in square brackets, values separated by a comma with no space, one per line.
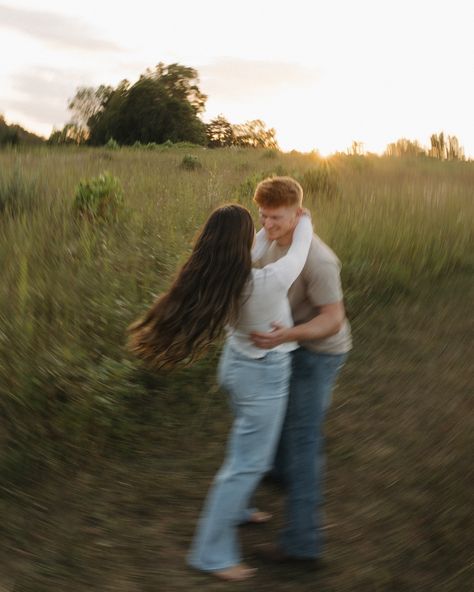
[328,322]
[278,335]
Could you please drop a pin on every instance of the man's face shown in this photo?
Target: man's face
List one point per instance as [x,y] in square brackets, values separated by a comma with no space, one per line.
[279,223]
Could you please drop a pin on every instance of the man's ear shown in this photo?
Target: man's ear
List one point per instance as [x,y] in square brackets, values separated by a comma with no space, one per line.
[299,211]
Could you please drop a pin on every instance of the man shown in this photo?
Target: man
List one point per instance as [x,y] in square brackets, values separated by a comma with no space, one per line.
[324,335]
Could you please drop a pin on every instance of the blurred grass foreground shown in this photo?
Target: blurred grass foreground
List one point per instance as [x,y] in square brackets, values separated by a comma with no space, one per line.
[93,446]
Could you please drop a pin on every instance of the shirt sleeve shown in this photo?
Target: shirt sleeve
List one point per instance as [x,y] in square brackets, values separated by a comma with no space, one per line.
[289,267]
[324,284]
[260,245]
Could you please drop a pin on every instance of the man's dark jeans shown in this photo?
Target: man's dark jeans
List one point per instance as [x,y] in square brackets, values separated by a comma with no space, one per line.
[300,457]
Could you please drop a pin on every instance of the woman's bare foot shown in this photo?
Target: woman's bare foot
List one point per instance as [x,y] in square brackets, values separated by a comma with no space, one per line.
[236,573]
[259,517]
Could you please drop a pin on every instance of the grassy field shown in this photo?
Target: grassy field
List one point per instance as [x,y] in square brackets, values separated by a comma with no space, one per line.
[104,466]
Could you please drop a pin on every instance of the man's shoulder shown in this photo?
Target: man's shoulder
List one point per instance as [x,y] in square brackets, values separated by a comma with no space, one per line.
[320,254]
[321,279]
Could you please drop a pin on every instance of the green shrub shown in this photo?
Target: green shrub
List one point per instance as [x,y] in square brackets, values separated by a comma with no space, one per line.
[17,194]
[112,144]
[190,162]
[100,198]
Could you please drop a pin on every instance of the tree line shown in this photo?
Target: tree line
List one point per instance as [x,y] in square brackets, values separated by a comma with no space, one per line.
[12,135]
[442,147]
[164,105]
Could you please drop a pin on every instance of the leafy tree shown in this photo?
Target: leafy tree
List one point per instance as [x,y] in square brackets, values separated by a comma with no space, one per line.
[356,148]
[437,146]
[105,123]
[181,123]
[445,148]
[162,105]
[86,103]
[453,150]
[181,82]
[70,134]
[219,133]
[8,135]
[147,112]
[255,134]
[404,147]
[11,135]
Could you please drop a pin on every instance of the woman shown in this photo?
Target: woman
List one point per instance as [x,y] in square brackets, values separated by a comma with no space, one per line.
[217,288]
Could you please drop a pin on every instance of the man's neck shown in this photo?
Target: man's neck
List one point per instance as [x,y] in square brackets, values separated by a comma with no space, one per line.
[285,240]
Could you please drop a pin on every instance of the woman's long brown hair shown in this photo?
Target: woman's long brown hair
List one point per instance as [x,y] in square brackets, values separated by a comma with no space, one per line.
[204,296]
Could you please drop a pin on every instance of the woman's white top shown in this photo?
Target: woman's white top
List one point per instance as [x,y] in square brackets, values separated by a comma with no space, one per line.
[264,300]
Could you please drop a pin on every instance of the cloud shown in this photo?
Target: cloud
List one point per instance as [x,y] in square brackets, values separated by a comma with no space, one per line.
[43,83]
[42,95]
[40,113]
[55,29]
[234,78]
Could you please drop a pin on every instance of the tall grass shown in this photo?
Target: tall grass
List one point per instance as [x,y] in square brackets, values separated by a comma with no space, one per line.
[69,288]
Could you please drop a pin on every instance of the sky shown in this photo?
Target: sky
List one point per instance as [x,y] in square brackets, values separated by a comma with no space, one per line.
[323,74]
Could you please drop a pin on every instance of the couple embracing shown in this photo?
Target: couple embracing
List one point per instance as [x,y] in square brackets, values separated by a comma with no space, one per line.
[278,296]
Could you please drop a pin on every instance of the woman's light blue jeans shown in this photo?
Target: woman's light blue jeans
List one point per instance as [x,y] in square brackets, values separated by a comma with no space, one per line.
[258,391]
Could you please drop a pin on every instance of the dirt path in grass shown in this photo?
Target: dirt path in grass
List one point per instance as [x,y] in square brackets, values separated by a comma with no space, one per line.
[398,492]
